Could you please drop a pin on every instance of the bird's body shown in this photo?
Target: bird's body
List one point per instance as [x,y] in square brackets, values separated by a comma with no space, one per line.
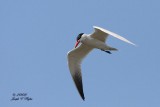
[88,43]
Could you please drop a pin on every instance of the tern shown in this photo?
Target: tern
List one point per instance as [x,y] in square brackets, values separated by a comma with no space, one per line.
[87,43]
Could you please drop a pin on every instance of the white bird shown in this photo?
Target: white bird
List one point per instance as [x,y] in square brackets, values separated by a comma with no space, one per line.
[88,42]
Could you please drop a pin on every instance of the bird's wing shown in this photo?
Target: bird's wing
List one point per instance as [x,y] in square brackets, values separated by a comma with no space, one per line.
[99,34]
[75,57]
[102,34]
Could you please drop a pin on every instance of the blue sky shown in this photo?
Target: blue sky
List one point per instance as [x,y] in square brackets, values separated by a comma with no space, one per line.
[35,36]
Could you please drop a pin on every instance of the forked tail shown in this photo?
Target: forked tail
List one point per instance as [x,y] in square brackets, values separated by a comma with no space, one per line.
[112,49]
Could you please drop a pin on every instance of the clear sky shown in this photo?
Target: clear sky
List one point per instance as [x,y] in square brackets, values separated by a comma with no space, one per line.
[35,36]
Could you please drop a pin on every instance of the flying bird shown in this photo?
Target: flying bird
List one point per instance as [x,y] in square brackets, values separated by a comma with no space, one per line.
[84,44]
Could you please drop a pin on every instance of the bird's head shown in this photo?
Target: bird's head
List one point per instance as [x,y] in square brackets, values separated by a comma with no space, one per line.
[78,39]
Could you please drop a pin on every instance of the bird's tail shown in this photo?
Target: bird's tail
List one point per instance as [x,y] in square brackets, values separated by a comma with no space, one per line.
[112,49]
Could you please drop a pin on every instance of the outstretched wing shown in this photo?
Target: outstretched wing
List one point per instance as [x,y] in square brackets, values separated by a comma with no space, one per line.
[75,57]
[99,34]
[102,34]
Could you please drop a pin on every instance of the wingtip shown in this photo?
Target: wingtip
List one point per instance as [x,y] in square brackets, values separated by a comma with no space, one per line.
[82,96]
[133,44]
[83,99]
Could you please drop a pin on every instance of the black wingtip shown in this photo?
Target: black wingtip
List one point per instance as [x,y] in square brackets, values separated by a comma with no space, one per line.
[82,94]
[83,99]
[78,82]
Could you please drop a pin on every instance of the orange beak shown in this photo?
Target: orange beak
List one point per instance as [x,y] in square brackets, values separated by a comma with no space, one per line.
[76,44]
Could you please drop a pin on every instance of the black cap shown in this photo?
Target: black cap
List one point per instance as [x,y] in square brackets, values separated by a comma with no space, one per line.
[79,36]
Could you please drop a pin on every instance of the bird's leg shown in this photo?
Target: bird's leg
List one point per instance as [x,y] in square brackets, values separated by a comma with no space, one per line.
[106,51]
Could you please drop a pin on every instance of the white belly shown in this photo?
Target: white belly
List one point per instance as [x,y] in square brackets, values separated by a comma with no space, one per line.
[94,43]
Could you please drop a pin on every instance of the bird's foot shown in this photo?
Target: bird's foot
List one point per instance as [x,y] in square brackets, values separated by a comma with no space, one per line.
[106,51]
